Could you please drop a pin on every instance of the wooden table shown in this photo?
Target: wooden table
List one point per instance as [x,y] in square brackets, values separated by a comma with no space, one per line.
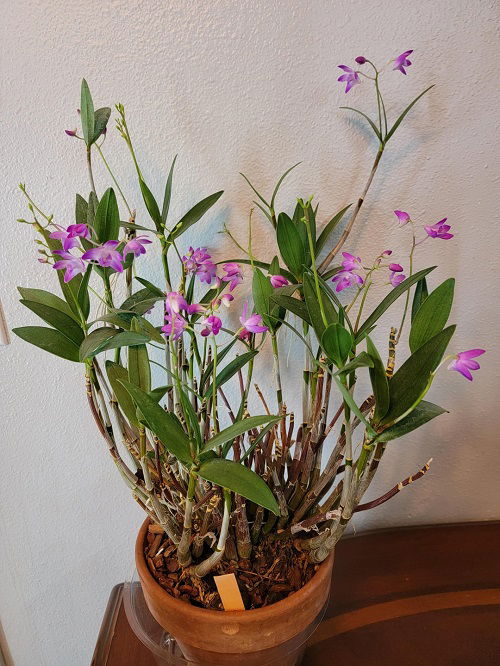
[407,597]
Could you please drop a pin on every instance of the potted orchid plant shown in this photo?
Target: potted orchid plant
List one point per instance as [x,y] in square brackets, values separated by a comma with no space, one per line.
[265,496]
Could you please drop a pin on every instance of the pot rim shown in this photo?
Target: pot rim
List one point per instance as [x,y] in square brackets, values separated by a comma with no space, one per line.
[292,600]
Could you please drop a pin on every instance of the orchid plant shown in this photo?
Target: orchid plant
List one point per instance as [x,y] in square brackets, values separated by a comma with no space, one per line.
[215,478]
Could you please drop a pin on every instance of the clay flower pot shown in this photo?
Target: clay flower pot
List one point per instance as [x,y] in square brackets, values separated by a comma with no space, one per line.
[273,634]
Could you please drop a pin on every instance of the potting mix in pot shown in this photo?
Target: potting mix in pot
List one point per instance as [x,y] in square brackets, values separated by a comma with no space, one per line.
[232,480]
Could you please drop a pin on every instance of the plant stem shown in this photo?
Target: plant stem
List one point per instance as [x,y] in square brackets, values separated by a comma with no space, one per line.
[184,547]
[328,259]
[207,565]
[89,168]
[114,179]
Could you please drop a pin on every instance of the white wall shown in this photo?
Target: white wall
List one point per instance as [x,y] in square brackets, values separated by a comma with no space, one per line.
[233,86]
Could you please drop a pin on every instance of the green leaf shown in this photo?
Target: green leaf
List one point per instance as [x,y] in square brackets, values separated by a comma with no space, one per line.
[278,184]
[413,379]
[362,360]
[379,381]
[193,215]
[141,301]
[101,117]
[401,117]
[151,205]
[237,429]
[241,480]
[152,288]
[422,414]
[50,340]
[330,228]
[46,298]
[392,296]
[419,296]
[290,244]
[165,425]
[116,375]
[259,195]
[58,320]
[168,193]
[139,370]
[432,315]
[298,308]
[87,113]
[352,404]
[372,124]
[104,338]
[158,392]
[69,289]
[230,370]
[81,210]
[83,293]
[336,342]
[262,290]
[91,209]
[207,373]
[107,217]
[313,308]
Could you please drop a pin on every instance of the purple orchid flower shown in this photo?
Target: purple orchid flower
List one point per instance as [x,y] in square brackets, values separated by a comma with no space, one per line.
[195,308]
[395,268]
[106,255]
[360,60]
[351,77]
[212,324]
[350,262]
[136,246]
[403,217]
[464,362]
[233,275]
[69,236]
[250,323]
[346,279]
[224,300]
[396,278]
[175,302]
[199,262]
[175,326]
[278,281]
[69,263]
[402,61]
[439,230]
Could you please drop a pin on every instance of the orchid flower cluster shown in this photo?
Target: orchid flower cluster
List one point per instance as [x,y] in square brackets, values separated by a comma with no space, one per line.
[217,479]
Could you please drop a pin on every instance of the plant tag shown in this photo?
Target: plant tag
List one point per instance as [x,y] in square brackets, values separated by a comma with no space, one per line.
[229,592]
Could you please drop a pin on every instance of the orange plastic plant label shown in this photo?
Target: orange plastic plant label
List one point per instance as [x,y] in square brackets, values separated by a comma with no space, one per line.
[229,592]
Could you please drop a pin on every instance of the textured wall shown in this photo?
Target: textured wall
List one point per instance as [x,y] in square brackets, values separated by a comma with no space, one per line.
[233,86]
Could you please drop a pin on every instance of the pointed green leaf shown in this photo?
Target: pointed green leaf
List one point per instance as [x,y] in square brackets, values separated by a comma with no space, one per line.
[151,205]
[102,339]
[379,381]
[165,425]
[101,117]
[401,117]
[91,209]
[50,340]
[83,293]
[392,296]
[58,320]
[193,215]
[278,184]
[290,244]
[413,379]
[370,121]
[422,414]
[241,480]
[46,298]
[262,290]
[432,315]
[87,113]
[230,370]
[419,297]
[141,301]
[168,193]
[295,306]
[336,342]
[362,360]
[81,208]
[107,217]
[352,404]
[116,375]
[139,370]
[237,429]
[330,228]
[207,373]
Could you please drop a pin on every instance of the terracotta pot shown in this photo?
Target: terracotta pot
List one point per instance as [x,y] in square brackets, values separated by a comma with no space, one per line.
[274,634]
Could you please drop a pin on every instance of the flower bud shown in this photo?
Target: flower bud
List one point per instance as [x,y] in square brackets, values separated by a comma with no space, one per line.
[360,60]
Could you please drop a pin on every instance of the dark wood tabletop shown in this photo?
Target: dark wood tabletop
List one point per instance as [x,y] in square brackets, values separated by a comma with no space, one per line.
[408,596]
